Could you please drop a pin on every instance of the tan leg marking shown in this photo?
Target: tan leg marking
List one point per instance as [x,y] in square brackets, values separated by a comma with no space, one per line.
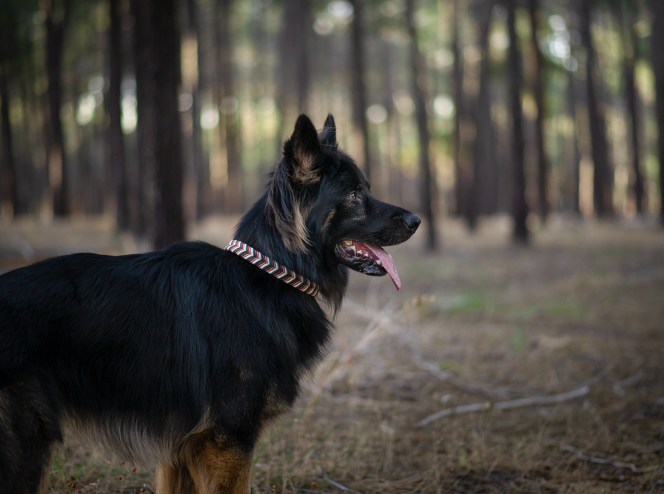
[217,471]
[174,480]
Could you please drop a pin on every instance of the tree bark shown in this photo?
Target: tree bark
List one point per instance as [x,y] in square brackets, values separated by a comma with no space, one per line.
[657,43]
[145,109]
[427,180]
[461,166]
[231,118]
[538,90]
[293,70]
[55,32]
[519,205]
[630,44]
[602,179]
[358,69]
[483,187]
[574,168]
[169,217]
[8,188]
[201,175]
[157,78]
[115,136]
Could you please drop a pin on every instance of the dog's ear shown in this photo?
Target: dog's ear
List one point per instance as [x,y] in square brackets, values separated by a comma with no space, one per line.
[328,136]
[301,152]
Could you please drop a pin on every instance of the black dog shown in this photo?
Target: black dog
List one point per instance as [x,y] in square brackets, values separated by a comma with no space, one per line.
[181,357]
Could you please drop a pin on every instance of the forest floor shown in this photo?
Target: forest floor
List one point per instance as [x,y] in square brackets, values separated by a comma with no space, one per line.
[572,328]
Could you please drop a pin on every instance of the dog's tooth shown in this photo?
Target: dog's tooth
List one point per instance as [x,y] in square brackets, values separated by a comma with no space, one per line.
[359,252]
[348,242]
[379,262]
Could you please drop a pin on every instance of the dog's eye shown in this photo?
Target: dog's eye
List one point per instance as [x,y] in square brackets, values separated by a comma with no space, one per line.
[352,196]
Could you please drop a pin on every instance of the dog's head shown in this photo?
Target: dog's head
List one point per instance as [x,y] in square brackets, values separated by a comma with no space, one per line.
[320,202]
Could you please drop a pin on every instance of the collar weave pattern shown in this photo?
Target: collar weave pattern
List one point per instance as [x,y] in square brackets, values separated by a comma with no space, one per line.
[263,262]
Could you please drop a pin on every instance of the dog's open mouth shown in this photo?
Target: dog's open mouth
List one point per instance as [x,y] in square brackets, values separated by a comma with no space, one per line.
[368,259]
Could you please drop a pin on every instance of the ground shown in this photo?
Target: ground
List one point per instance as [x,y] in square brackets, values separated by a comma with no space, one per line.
[573,325]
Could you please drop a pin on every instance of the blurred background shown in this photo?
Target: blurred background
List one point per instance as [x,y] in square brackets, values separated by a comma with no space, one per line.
[160,113]
[127,125]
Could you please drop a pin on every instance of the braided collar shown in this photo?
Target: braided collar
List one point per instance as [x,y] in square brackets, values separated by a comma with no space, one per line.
[263,262]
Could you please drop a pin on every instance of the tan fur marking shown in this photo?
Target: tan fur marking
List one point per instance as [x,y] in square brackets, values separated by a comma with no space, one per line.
[328,219]
[305,173]
[174,480]
[298,237]
[216,470]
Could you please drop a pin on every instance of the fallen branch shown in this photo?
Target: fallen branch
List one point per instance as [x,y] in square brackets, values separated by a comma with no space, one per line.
[605,461]
[339,486]
[619,387]
[384,320]
[505,405]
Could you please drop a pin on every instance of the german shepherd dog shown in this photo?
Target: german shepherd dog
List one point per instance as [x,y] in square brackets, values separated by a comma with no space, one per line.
[181,357]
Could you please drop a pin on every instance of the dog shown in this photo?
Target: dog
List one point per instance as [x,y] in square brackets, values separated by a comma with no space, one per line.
[182,357]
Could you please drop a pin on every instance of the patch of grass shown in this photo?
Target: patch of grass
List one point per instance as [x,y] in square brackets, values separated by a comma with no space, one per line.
[473,301]
[566,309]
[451,365]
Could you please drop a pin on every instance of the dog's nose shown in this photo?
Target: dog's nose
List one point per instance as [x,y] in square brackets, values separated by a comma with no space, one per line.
[411,221]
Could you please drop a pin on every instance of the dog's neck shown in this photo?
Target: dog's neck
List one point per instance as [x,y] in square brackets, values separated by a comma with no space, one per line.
[256,230]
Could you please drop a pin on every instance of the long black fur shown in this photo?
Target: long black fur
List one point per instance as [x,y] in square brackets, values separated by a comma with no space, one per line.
[138,351]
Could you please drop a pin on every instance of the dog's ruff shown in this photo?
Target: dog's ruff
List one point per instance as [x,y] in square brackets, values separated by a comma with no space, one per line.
[261,261]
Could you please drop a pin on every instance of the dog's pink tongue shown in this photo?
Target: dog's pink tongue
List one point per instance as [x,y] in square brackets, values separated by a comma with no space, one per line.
[386,260]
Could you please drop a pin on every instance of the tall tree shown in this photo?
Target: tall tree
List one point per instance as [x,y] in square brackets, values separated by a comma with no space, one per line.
[115,136]
[483,188]
[169,218]
[657,44]
[158,46]
[519,204]
[538,90]
[602,176]
[229,111]
[293,70]
[630,44]
[145,66]
[462,170]
[574,166]
[358,68]
[193,80]
[57,19]
[427,182]
[7,162]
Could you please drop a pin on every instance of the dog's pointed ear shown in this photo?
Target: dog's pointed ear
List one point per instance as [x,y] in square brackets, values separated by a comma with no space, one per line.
[328,136]
[302,150]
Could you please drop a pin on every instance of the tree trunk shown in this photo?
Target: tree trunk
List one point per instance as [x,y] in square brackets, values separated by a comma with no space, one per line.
[115,136]
[483,187]
[519,205]
[8,168]
[602,180]
[538,90]
[293,70]
[657,43]
[169,218]
[574,168]
[145,109]
[359,89]
[229,111]
[201,175]
[157,46]
[427,180]
[55,32]
[462,171]
[630,44]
